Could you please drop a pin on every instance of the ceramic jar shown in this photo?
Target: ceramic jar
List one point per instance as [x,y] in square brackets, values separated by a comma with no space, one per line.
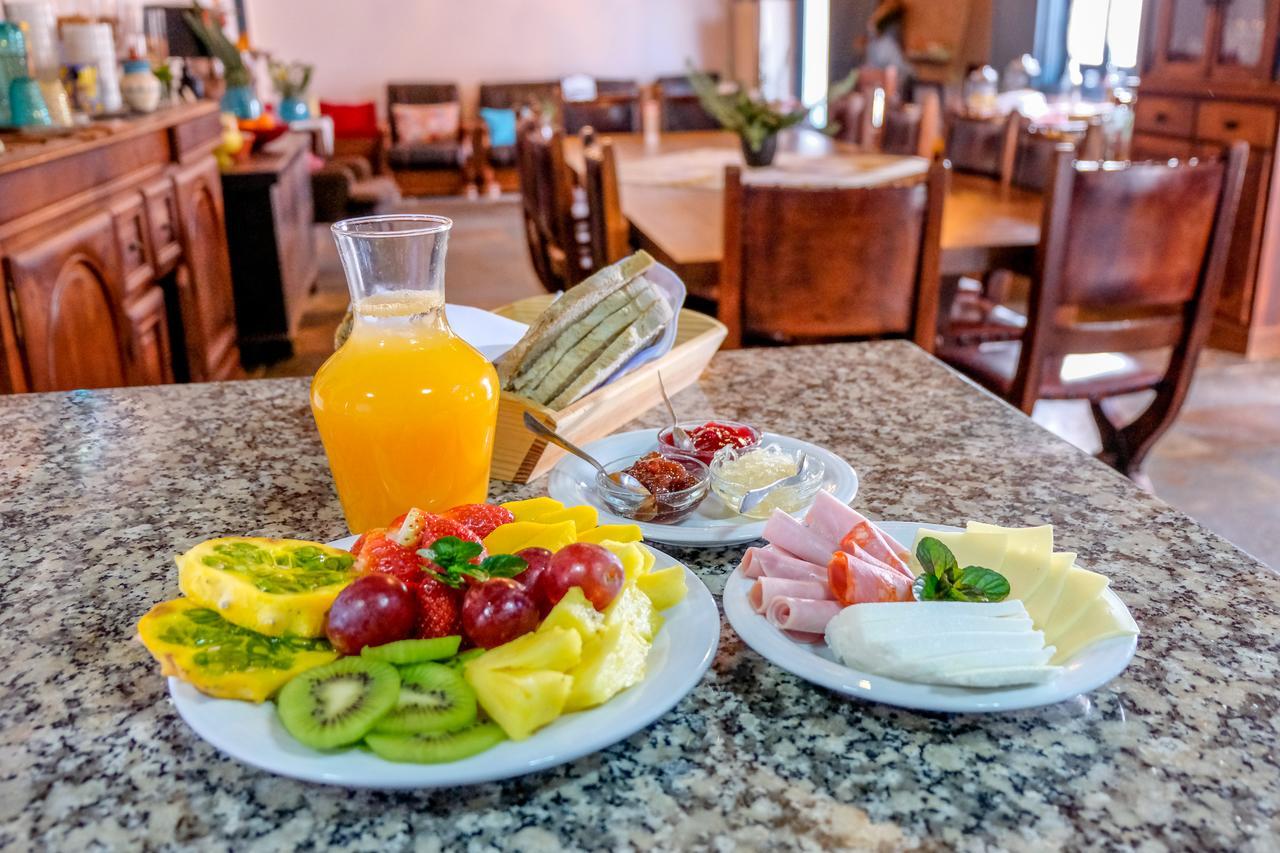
[140,87]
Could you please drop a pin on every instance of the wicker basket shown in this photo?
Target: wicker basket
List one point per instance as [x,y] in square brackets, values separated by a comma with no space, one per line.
[519,456]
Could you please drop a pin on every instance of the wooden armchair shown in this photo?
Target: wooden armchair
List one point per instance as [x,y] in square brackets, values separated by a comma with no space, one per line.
[496,165]
[615,109]
[428,167]
[1131,259]
[679,107]
[607,228]
[805,265]
[546,192]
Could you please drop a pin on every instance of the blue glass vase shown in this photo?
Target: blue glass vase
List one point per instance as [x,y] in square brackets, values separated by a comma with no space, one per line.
[242,102]
[294,109]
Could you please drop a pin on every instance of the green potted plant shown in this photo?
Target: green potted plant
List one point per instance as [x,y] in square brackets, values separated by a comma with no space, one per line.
[756,121]
[239,99]
[291,80]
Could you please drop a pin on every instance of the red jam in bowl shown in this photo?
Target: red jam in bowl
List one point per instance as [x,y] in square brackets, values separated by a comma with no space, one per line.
[712,436]
[662,476]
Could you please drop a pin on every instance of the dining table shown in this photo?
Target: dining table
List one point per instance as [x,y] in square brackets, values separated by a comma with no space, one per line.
[102,488]
[985,225]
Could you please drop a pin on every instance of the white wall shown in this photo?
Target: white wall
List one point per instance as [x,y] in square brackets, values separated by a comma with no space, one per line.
[358,46]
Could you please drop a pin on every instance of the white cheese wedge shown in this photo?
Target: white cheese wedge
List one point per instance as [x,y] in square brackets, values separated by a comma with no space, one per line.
[1041,603]
[970,549]
[1079,590]
[1100,621]
[926,613]
[1005,676]
[919,670]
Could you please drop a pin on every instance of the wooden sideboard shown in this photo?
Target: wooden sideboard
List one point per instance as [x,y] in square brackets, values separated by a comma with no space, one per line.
[273,259]
[114,256]
[1211,80]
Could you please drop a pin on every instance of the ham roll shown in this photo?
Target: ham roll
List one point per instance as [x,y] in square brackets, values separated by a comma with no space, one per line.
[801,615]
[773,562]
[766,589]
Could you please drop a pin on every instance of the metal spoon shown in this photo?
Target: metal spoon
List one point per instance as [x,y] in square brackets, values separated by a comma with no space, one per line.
[622,478]
[752,499]
[679,437]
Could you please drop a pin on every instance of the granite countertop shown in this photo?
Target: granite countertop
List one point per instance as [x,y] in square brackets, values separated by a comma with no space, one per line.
[101,489]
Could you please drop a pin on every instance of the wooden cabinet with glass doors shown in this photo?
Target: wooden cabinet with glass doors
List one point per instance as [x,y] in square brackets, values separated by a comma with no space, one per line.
[1212,77]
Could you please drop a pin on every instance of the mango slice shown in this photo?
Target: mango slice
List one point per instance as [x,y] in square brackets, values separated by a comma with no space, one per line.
[276,587]
[220,659]
[583,517]
[611,533]
[510,538]
[533,509]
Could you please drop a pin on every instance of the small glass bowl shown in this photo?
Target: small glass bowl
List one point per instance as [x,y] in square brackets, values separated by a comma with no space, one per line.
[667,445]
[787,498]
[663,509]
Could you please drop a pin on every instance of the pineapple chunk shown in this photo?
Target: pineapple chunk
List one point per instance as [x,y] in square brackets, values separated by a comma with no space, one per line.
[633,609]
[220,659]
[583,517]
[521,701]
[558,649]
[276,587]
[533,509]
[665,588]
[632,555]
[575,612]
[612,662]
[611,533]
[512,537]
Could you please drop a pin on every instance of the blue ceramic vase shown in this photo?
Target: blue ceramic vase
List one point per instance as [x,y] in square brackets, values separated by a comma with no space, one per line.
[242,102]
[294,109]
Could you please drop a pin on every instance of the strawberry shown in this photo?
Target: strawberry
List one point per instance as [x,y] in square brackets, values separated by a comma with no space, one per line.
[439,609]
[377,553]
[482,519]
[436,527]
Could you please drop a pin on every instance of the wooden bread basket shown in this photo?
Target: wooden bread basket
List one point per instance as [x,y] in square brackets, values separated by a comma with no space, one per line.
[519,456]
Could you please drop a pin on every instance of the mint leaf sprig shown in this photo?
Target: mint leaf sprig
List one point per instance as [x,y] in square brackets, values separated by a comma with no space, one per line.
[454,559]
[944,580]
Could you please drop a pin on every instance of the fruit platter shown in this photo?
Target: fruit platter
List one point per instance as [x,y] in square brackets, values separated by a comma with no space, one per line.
[475,644]
[984,618]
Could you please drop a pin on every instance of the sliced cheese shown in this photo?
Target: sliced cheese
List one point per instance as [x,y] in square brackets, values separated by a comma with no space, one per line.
[1026,562]
[970,549]
[1079,590]
[1100,621]
[1040,604]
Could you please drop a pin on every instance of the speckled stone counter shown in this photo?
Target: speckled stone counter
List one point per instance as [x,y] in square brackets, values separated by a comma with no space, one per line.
[98,491]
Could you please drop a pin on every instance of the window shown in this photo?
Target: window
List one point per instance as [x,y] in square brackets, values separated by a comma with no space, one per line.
[1102,31]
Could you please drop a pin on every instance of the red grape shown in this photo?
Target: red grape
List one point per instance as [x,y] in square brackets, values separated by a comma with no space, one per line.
[373,610]
[531,578]
[497,611]
[595,569]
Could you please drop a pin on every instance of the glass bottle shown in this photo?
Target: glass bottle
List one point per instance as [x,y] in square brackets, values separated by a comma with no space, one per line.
[406,409]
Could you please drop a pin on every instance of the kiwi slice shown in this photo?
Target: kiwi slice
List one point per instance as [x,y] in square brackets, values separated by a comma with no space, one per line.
[433,698]
[405,652]
[338,703]
[436,748]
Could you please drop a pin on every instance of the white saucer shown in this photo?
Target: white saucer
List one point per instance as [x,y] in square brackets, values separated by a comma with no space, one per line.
[572,481]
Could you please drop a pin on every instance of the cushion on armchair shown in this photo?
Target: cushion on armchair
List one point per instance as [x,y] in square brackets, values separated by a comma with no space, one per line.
[426,155]
[427,122]
[352,121]
[501,124]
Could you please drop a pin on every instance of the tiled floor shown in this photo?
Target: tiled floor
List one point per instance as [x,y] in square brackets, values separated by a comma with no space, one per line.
[1220,463]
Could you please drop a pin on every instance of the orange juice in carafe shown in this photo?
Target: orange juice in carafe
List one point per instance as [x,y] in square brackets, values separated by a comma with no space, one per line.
[406,409]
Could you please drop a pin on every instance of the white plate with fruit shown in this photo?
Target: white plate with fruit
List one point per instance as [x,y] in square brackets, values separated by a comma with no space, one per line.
[620,634]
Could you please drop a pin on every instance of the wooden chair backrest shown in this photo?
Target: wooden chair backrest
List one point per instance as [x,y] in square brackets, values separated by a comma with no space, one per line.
[803,264]
[608,229]
[608,113]
[1131,258]
[913,129]
[982,146]
[678,106]
[547,202]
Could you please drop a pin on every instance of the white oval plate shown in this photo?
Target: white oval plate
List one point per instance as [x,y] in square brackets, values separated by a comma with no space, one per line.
[572,481]
[1091,668]
[681,653]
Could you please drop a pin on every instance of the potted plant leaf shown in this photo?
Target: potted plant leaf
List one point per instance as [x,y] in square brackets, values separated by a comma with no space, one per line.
[291,80]
[756,121]
[239,98]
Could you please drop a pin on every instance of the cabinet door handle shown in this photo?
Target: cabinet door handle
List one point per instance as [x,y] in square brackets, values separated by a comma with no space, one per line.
[1161,118]
[1231,124]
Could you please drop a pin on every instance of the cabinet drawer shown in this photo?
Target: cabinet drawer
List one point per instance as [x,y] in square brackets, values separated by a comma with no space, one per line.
[1148,146]
[1174,116]
[1225,121]
[131,240]
[162,222]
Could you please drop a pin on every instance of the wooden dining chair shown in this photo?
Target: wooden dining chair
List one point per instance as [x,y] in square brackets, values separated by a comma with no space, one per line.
[982,145]
[546,193]
[1131,259]
[805,264]
[608,231]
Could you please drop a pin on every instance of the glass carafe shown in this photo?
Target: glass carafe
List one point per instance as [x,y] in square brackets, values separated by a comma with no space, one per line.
[406,409]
